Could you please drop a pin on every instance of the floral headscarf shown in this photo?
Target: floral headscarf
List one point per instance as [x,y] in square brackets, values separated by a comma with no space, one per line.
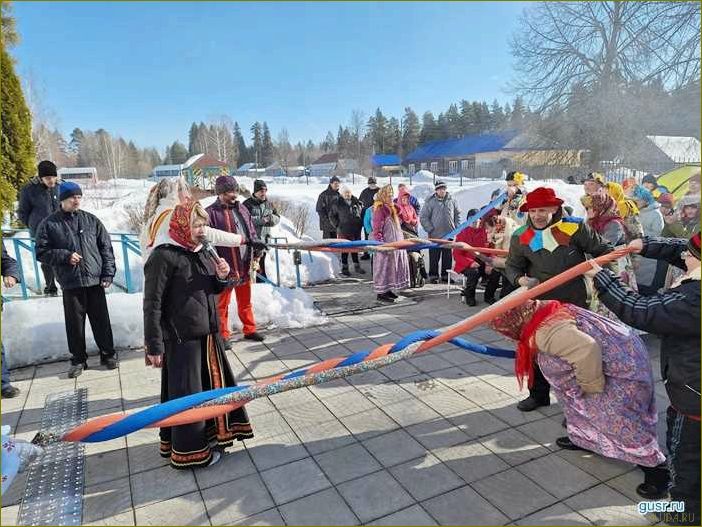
[180,226]
[604,209]
[521,324]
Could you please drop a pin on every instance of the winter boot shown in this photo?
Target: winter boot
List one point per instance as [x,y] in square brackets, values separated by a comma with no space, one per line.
[469,295]
[656,482]
[392,295]
[345,270]
[383,297]
[357,267]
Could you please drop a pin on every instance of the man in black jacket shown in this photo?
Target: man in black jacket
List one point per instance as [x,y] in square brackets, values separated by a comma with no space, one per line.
[264,216]
[546,246]
[347,218]
[10,278]
[674,315]
[366,197]
[39,199]
[78,246]
[324,205]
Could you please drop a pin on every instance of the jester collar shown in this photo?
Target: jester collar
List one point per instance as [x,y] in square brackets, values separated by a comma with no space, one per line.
[549,238]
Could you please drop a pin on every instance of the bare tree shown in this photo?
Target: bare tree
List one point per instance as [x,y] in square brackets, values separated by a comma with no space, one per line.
[284,149]
[604,45]
[357,124]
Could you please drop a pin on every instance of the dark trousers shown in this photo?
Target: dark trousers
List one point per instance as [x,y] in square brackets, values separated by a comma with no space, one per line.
[261,268]
[328,234]
[493,282]
[473,275]
[90,301]
[49,277]
[345,259]
[5,371]
[446,262]
[541,389]
[683,442]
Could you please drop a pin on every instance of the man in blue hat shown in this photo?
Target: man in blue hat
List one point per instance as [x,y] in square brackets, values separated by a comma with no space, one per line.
[79,248]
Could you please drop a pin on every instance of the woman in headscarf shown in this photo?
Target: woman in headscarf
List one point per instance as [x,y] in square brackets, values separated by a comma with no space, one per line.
[408,213]
[601,374]
[627,210]
[390,268]
[516,194]
[181,330]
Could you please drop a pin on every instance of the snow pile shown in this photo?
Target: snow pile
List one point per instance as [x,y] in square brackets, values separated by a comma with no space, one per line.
[35,331]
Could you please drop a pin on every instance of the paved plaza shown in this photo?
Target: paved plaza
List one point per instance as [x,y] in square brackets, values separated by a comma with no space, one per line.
[432,440]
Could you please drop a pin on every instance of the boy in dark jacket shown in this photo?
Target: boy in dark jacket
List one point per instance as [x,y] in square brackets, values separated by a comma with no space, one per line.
[324,205]
[346,217]
[77,245]
[264,216]
[39,199]
[674,315]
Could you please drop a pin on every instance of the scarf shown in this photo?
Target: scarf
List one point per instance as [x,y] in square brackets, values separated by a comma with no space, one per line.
[695,274]
[521,324]
[179,228]
[604,209]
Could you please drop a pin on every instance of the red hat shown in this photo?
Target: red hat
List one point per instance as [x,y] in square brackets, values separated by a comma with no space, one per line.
[693,245]
[539,198]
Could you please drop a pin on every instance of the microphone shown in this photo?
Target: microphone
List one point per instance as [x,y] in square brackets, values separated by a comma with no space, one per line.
[210,250]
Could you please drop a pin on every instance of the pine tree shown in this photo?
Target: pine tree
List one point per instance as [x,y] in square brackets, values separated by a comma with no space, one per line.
[267,147]
[469,123]
[244,155]
[257,143]
[429,128]
[192,140]
[329,143]
[410,131]
[17,148]
[497,116]
[76,141]
[454,122]
[518,115]
[178,153]
[394,136]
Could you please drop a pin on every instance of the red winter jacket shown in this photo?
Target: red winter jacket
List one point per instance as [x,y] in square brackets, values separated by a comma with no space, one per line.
[471,236]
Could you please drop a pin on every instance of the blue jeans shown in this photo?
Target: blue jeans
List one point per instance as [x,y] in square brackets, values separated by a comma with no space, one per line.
[5,371]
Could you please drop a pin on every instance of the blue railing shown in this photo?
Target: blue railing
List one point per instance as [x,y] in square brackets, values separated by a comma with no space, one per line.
[22,244]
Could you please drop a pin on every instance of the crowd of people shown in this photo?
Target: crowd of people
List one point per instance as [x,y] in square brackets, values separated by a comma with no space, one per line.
[580,340]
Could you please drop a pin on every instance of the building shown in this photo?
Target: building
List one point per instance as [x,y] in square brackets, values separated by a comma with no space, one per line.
[251,170]
[201,170]
[660,153]
[386,165]
[166,171]
[78,174]
[277,170]
[488,155]
[330,165]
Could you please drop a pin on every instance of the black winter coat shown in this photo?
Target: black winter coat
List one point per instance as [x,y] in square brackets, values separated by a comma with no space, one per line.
[180,291]
[263,215]
[347,219]
[674,315]
[543,264]
[36,202]
[62,234]
[366,197]
[324,205]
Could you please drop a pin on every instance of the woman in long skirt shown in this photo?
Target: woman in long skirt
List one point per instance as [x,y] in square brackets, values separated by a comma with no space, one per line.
[182,337]
[600,371]
[390,268]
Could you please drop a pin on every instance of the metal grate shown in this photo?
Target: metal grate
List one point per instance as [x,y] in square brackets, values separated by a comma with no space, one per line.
[54,491]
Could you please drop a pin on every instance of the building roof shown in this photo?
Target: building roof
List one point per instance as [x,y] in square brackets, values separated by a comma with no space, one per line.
[680,149]
[326,158]
[462,146]
[381,160]
[247,166]
[164,168]
[69,170]
[203,160]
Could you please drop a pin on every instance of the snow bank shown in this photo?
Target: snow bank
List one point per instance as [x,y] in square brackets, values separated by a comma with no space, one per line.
[34,332]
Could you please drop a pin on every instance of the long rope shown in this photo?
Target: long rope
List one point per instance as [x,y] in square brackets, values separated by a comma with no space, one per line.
[205,405]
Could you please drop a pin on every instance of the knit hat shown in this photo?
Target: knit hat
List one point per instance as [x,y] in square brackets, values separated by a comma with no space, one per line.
[515,176]
[667,200]
[540,198]
[334,179]
[470,213]
[649,178]
[439,184]
[372,180]
[693,245]
[224,184]
[68,189]
[47,169]
[259,184]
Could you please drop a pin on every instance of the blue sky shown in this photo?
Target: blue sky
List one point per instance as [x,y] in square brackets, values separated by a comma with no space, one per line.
[146,70]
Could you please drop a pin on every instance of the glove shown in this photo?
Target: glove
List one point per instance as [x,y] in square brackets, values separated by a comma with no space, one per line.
[257,245]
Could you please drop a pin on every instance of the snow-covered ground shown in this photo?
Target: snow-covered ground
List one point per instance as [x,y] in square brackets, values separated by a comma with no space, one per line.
[34,331]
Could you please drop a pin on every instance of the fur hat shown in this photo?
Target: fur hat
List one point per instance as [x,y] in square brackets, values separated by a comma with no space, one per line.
[224,184]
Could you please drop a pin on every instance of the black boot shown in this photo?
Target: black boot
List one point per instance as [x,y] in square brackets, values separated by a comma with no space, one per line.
[345,270]
[469,295]
[656,482]
[531,403]
[360,270]
[383,297]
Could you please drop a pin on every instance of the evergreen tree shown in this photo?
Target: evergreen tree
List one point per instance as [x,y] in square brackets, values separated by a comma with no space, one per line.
[410,131]
[257,143]
[429,131]
[192,140]
[76,141]
[497,116]
[329,143]
[17,148]
[469,121]
[267,148]
[454,124]
[178,153]
[394,137]
[518,115]
[244,155]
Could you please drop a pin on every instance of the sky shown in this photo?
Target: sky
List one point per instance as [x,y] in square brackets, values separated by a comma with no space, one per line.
[147,70]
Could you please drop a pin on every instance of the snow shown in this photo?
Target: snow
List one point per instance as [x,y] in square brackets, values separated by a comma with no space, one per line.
[680,149]
[35,331]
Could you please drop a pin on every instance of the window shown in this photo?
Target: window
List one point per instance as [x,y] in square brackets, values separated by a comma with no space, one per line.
[465,165]
[423,166]
[434,166]
[453,167]
[411,168]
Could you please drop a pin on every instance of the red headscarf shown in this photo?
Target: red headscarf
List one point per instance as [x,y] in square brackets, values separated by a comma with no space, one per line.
[521,324]
[404,208]
[180,226]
